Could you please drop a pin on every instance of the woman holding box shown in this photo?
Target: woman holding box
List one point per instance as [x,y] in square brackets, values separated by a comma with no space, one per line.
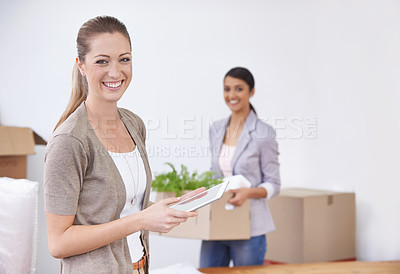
[97,175]
[244,145]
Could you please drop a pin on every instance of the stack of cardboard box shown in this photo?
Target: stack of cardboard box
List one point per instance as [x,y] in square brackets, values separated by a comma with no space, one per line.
[15,144]
[312,226]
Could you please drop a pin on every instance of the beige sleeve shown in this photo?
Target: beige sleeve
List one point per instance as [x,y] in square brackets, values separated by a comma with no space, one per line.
[64,172]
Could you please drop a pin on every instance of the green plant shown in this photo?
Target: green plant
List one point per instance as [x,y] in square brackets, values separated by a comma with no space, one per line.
[179,182]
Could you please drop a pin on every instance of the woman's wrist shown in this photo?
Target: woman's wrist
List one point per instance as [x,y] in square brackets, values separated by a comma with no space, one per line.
[135,222]
[256,193]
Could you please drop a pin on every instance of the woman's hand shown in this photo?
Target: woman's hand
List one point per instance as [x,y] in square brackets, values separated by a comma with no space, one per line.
[160,218]
[240,195]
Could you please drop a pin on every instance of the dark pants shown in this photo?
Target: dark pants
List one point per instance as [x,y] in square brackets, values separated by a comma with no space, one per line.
[241,252]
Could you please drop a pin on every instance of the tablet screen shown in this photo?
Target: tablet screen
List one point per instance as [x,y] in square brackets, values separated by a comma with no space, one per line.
[202,199]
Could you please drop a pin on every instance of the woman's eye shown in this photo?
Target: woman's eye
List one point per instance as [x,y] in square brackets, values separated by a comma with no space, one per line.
[101,62]
[126,59]
[239,89]
[226,89]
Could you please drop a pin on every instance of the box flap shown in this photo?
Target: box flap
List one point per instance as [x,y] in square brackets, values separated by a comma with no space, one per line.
[16,141]
[305,192]
[38,139]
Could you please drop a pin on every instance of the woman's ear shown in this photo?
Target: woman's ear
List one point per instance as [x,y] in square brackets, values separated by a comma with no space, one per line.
[252,92]
[80,66]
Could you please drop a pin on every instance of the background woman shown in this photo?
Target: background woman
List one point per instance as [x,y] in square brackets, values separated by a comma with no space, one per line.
[243,144]
[97,175]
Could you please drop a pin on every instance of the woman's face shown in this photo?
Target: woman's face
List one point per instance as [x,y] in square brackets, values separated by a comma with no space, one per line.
[237,94]
[108,66]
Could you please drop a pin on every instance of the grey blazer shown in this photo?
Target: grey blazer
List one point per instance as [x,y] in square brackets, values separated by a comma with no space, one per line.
[81,179]
[256,158]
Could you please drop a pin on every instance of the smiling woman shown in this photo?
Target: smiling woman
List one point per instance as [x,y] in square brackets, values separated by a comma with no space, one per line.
[107,67]
[97,176]
[247,147]
[90,35]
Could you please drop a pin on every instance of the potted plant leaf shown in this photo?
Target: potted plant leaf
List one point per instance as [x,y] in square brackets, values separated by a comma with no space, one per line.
[179,182]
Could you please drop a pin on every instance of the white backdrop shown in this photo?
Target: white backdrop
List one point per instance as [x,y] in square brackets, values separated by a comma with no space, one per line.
[326,78]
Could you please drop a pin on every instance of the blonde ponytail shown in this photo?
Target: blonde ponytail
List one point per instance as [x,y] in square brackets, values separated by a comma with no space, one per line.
[78,94]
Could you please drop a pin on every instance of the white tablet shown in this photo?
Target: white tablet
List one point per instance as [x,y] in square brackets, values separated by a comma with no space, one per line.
[203,198]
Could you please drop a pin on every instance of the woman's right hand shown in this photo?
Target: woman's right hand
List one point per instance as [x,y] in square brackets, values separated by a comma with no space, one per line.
[160,218]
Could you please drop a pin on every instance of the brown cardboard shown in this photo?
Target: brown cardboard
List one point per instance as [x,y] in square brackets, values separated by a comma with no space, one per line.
[15,144]
[312,226]
[214,222]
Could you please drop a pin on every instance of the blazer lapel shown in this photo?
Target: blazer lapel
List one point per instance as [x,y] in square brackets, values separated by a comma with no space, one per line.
[244,138]
[218,141]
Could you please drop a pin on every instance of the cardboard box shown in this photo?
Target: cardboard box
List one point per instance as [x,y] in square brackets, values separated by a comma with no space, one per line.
[15,144]
[312,226]
[213,221]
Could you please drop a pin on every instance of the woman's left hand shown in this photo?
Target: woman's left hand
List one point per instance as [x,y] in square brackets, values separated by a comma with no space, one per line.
[240,195]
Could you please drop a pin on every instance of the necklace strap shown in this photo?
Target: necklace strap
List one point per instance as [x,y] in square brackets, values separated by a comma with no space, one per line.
[135,182]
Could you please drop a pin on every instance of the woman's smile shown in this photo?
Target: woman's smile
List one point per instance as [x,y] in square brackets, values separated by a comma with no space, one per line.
[113,85]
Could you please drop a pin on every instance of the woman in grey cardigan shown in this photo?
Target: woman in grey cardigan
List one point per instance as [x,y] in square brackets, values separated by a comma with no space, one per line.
[243,144]
[97,175]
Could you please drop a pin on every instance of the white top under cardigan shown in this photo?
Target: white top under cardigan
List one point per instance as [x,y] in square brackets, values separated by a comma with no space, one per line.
[137,185]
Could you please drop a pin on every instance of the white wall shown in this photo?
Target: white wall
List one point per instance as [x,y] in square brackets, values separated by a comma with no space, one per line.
[326,78]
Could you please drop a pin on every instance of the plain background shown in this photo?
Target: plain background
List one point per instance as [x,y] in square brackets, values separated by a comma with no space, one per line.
[327,78]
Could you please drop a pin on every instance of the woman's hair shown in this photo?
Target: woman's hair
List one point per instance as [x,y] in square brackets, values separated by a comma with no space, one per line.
[245,75]
[95,26]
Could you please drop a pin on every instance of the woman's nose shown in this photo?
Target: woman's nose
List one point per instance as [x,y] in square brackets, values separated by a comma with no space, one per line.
[231,96]
[115,70]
